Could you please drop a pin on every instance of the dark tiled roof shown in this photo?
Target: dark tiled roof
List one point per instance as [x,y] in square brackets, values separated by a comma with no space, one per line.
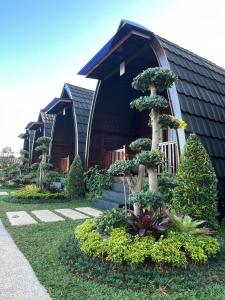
[47,118]
[201,92]
[82,99]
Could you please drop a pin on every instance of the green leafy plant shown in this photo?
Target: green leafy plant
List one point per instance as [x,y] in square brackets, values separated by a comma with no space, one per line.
[75,186]
[147,199]
[196,192]
[177,249]
[109,220]
[96,181]
[185,224]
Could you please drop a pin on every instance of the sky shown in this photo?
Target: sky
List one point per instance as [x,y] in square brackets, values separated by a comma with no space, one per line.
[45,43]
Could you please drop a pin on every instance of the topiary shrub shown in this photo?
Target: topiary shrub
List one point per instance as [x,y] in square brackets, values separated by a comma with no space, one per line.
[196,192]
[75,186]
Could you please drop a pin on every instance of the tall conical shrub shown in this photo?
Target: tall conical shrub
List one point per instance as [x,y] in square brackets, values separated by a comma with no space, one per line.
[75,185]
[196,193]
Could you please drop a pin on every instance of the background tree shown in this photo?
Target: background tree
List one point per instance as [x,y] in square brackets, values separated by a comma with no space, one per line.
[75,186]
[196,193]
[43,167]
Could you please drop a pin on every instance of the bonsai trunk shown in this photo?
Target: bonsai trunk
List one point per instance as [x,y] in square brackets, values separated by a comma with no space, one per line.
[154,116]
[153,180]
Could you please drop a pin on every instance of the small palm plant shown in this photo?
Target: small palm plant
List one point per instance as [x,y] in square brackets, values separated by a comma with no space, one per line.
[185,224]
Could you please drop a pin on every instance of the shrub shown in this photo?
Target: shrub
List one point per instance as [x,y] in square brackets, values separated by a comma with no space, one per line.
[196,193]
[122,248]
[75,183]
[34,192]
[139,250]
[96,181]
[109,220]
[177,249]
[91,242]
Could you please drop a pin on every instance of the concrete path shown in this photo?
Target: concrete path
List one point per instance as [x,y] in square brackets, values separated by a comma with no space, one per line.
[20,218]
[90,211]
[4,193]
[71,214]
[17,279]
[46,215]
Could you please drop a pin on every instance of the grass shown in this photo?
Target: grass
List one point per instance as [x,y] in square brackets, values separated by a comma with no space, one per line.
[40,244]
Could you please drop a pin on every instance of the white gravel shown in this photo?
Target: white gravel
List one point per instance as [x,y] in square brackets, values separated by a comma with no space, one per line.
[17,279]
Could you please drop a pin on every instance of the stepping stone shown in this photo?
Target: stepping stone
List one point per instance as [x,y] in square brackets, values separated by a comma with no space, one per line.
[20,218]
[4,194]
[46,215]
[71,214]
[90,211]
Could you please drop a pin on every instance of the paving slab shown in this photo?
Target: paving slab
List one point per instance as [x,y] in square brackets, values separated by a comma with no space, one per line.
[71,214]
[17,279]
[46,215]
[4,194]
[90,211]
[20,218]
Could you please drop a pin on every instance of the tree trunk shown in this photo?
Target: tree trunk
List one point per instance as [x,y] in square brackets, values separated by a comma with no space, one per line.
[154,116]
[153,180]
[137,209]
[140,179]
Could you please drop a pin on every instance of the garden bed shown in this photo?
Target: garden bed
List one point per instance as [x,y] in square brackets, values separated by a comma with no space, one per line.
[36,200]
[145,278]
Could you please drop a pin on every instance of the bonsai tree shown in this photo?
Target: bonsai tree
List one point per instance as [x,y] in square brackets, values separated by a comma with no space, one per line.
[75,186]
[196,193]
[43,166]
[152,80]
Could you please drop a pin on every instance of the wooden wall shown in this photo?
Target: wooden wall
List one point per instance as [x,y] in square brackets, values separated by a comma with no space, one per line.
[63,143]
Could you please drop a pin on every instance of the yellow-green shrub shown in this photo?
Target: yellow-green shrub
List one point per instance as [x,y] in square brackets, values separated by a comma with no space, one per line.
[117,245]
[176,249]
[91,242]
[139,249]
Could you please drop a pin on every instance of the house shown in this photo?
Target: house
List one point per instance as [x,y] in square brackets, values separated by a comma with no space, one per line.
[198,97]
[69,133]
[65,121]
[34,130]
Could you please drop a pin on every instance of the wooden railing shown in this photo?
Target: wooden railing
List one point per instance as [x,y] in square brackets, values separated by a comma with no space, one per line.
[170,160]
[171,157]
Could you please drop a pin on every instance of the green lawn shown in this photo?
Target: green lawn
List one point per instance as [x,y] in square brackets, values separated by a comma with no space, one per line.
[40,244]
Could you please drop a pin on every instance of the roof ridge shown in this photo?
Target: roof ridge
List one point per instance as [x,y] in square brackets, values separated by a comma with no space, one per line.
[79,87]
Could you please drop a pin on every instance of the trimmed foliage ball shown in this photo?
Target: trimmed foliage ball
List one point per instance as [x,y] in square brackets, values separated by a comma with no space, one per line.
[149,102]
[75,185]
[124,167]
[161,78]
[150,159]
[196,193]
[141,144]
